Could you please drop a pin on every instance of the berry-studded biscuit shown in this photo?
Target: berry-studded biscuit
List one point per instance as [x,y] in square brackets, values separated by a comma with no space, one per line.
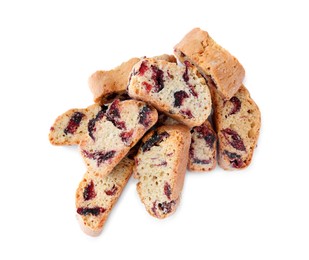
[179,92]
[220,69]
[160,167]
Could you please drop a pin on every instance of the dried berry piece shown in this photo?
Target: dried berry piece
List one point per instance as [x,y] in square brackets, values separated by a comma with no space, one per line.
[91,211]
[179,97]
[185,77]
[113,115]
[74,123]
[186,113]
[154,208]
[236,105]
[158,78]
[143,68]
[126,137]
[167,190]
[112,191]
[166,207]
[204,132]
[235,159]
[198,161]
[92,122]
[155,139]
[144,116]
[89,192]
[147,86]
[99,156]
[234,139]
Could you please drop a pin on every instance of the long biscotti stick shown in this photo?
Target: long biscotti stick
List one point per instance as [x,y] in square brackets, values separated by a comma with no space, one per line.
[238,123]
[220,69]
[160,167]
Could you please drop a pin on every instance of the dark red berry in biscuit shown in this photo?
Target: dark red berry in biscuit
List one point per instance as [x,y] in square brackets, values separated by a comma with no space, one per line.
[198,161]
[89,191]
[205,133]
[147,86]
[74,123]
[112,191]
[234,139]
[185,77]
[113,115]
[235,159]
[126,137]
[236,105]
[167,190]
[186,113]
[144,116]
[99,156]
[155,139]
[90,211]
[143,68]
[179,97]
[158,78]
[92,122]
[166,207]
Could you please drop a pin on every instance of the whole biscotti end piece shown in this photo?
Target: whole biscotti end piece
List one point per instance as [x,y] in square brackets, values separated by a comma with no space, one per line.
[220,69]
[179,92]
[160,167]
[238,123]
[96,196]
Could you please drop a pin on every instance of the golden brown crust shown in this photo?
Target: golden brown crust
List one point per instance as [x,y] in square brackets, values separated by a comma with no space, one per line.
[214,62]
[104,83]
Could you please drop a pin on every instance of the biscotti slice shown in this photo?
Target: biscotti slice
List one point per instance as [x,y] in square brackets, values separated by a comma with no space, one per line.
[160,167]
[109,85]
[238,123]
[71,127]
[179,92]
[217,65]
[203,148]
[96,196]
[115,129]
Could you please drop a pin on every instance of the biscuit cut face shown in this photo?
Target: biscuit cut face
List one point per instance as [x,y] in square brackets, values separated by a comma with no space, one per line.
[113,131]
[203,148]
[107,86]
[160,167]
[71,127]
[96,196]
[220,69]
[179,92]
[238,123]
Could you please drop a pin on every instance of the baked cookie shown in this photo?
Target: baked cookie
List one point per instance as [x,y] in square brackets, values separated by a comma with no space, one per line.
[238,123]
[160,167]
[96,196]
[203,148]
[113,131]
[109,85]
[179,92]
[71,127]
[217,65]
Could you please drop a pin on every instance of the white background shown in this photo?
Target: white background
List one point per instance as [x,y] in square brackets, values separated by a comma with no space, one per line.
[48,49]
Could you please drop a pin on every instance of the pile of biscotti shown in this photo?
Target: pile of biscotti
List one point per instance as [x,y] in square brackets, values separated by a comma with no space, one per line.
[155,118]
